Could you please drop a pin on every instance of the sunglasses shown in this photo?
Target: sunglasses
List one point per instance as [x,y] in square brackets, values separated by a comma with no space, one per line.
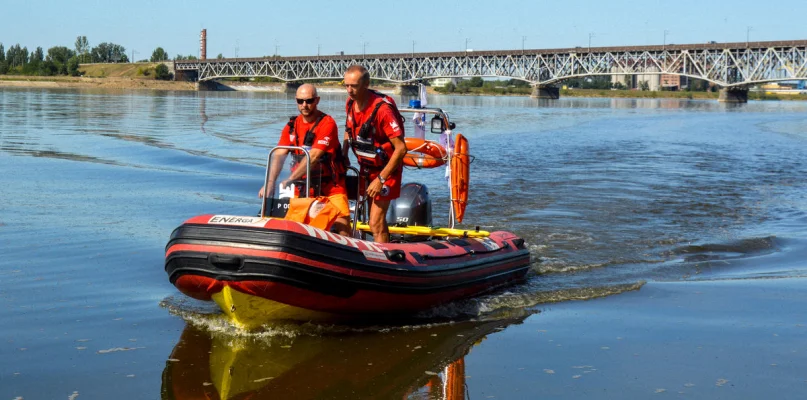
[307,101]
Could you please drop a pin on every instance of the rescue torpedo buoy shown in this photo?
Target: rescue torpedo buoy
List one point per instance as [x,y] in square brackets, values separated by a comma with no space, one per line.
[460,173]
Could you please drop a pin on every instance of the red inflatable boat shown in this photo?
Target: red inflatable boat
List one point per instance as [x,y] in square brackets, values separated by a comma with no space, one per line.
[260,269]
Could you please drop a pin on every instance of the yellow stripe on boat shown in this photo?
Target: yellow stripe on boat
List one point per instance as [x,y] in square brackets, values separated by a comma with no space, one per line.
[250,312]
[428,231]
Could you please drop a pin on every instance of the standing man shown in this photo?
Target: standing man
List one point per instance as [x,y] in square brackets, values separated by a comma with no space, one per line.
[315,131]
[374,130]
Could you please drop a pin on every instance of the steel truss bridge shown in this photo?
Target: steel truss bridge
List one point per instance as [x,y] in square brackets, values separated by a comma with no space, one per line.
[729,65]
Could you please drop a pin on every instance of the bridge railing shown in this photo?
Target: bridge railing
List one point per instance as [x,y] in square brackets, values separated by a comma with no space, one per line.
[725,64]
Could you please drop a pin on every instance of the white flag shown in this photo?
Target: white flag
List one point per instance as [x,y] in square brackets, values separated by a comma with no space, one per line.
[419,119]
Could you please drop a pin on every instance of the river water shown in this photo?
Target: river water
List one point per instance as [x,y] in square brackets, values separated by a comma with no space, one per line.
[655,212]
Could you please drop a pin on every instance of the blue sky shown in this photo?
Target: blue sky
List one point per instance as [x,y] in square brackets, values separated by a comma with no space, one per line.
[255,28]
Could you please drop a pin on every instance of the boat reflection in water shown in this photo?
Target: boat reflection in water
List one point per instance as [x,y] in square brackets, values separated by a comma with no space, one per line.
[400,363]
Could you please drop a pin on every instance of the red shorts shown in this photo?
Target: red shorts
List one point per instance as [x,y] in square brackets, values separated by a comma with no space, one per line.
[392,184]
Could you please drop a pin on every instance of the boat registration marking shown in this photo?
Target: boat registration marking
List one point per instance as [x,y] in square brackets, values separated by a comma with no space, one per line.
[488,243]
[237,220]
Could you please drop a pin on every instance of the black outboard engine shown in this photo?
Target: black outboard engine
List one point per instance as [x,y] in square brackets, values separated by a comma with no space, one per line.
[412,208]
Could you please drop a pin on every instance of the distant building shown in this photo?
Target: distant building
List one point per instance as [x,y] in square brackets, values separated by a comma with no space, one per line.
[670,82]
[442,82]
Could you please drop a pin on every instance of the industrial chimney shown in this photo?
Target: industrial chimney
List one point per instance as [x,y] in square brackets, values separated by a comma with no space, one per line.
[203,45]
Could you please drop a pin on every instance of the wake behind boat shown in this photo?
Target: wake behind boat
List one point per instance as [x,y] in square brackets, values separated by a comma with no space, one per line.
[265,268]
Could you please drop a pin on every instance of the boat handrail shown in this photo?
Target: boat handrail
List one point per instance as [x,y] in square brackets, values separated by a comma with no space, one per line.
[429,110]
[269,167]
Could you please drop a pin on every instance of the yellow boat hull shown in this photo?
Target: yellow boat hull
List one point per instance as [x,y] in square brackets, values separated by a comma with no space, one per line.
[251,312]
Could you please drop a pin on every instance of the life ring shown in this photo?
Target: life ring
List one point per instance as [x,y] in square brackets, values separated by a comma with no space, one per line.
[460,174]
[423,153]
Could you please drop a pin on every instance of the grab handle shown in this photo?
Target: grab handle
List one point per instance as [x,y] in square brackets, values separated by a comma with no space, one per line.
[226,261]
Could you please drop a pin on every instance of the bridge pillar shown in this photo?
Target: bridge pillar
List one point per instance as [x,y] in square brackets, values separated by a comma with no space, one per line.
[407,90]
[733,95]
[545,92]
[207,86]
[291,87]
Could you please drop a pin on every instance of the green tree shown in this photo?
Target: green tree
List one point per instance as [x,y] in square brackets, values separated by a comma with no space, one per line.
[38,55]
[644,85]
[82,45]
[220,56]
[108,52]
[475,82]
[59,56]
[3,65]
[161,73]
[16,56]
[72,66]
[159,55]
[83,49]
[48,67]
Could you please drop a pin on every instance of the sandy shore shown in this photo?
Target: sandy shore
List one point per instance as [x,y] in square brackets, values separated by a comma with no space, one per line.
[81,82]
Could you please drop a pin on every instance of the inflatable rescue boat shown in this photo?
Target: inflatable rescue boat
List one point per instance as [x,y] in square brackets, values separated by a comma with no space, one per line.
[264,268]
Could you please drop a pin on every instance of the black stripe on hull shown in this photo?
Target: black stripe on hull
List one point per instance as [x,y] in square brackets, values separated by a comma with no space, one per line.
[328,282]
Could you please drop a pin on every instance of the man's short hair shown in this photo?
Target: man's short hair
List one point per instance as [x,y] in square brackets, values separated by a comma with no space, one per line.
[365,74]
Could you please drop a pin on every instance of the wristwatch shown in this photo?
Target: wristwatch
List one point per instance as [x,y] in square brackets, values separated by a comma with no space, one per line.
[380,179]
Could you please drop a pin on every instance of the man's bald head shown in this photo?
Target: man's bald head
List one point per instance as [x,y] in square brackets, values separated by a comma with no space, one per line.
[306,91]
[307,101]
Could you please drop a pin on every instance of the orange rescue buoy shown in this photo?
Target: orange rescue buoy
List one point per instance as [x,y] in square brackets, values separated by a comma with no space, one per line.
[423,153]
[460,174]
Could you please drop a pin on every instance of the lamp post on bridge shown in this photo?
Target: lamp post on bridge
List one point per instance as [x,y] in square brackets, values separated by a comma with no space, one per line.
[664,46]
[523,39]
[413,49]
[466,44]
[590,35]
[748,35]
[364,49]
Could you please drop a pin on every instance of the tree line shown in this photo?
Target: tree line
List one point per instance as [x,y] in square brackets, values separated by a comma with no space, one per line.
[61,60]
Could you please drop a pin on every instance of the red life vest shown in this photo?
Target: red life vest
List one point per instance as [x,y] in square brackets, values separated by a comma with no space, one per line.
[329,166]
[369,152]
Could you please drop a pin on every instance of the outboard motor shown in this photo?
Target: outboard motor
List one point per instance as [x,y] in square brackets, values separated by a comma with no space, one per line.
[412,208]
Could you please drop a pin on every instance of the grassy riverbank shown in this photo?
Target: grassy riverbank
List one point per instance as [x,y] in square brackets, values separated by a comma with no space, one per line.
[102,75]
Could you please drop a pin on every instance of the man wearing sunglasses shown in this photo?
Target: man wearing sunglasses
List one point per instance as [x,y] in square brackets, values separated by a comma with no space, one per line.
[316,132]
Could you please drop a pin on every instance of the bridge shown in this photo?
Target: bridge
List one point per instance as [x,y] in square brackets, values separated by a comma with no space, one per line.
[734,67]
